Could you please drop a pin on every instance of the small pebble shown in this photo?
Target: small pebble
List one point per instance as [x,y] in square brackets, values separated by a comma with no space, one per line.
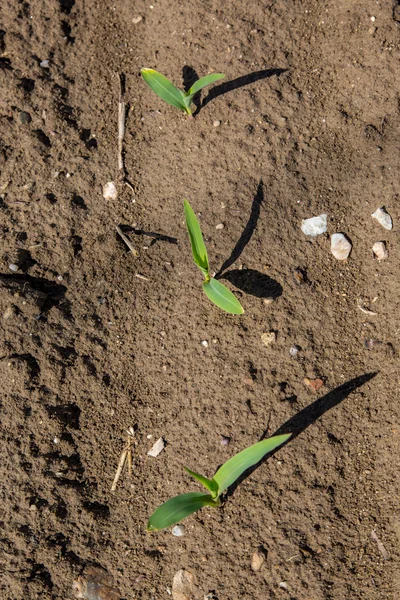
[178,530]
[44,64]
[220,226]
[268,338]
[299,276]
[216,123]
[204,343]
[110,191]
[157,448]
[137,20]
[283,585]
[13,267]
[380,251]
[315,225]
[340,246]
[268,301]
[25,117]
[383,217]
[184,586]
[225,441]
[9,313]
[258,559]
[294,350]
[314,384]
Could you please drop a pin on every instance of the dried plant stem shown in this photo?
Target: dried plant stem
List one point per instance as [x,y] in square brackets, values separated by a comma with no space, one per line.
[127,241]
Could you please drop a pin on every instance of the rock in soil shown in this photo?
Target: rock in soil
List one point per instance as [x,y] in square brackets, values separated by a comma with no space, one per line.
[340,246]
[315,225]
[157,448]
[95,584]
[258,559]
[380,251]
[268,338]
[382,216]
[184,586]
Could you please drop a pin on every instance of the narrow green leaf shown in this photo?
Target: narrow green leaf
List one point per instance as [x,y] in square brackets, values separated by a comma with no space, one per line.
[164,88]
[203,82]
[209,484]
[238,464]
[199,250]
[177,508]
[222,297]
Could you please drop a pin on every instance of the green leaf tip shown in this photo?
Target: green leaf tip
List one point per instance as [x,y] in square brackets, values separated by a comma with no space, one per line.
[199,250]
[164,89]
[219,294]
[238,464]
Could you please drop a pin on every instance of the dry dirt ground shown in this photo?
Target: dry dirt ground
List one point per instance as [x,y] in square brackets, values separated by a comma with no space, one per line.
[309,124]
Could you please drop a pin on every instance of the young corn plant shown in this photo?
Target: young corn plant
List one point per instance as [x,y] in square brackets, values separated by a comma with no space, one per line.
[214,289]
[166,90]
[177,508]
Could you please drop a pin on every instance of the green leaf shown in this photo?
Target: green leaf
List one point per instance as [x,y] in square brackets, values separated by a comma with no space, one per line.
[222,297]
[209,484]
[238,464]
[203,82]
[199,250]
[164,89]
[177,508]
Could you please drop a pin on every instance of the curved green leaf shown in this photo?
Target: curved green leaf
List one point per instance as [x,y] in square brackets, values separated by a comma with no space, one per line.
[222,297]
[238,464]
[203,82]
[164,88]
[199,250]
[177,508]
[209,484]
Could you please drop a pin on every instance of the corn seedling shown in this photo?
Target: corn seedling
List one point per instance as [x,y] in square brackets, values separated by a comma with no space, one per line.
[214,289]
[177,508]
[166,90]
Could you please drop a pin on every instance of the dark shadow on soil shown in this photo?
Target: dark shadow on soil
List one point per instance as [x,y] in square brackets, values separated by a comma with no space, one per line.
[306,417]
[254,283]
[250,281]
[190,77]
[157,237]
[237,83]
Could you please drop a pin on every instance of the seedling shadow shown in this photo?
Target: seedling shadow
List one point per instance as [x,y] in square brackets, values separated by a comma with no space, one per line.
[234,84]
[250,281]
[157,237]
[306,417]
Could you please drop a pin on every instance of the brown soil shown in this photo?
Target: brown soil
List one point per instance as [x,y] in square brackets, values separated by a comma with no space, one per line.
[89,349]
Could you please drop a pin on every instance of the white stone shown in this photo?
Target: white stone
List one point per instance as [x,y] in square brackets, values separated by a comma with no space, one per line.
[157,448]
[204,343]
[220,226]
[136,20]
[13,267]
[380,251]
[383,217]
[315,225]
[340,246]
[44,64]
[178,530]
[110,191]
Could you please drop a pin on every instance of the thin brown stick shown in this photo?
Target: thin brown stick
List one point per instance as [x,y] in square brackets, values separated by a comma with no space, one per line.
[119,469]
[126,240]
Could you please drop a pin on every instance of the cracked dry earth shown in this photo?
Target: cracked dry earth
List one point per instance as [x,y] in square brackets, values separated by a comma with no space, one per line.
[94,340]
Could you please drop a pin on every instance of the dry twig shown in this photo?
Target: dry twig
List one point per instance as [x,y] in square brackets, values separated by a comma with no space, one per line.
[127,241]
[126,457]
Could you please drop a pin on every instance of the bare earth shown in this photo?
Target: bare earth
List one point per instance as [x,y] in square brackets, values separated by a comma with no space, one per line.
[309,124]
